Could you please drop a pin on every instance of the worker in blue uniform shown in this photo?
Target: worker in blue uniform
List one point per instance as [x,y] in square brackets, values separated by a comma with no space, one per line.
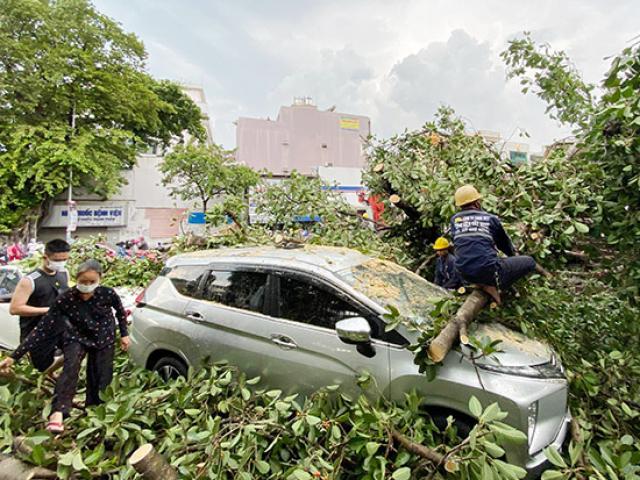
[477,236]
[446,274]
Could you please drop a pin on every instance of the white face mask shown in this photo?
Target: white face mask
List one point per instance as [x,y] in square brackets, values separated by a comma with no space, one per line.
[87,288]
[56,266]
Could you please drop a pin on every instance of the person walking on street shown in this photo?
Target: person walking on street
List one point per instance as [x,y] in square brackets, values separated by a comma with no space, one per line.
[36,292]
[477,236]
[446,274]
[84,317]
[15,251]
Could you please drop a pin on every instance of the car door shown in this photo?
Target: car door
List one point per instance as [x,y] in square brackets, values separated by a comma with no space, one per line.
[229,320]
[308,353]
[9,324]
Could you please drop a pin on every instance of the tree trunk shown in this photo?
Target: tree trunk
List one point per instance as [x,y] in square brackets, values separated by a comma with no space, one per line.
[457,326]
[151,465]
[14,469]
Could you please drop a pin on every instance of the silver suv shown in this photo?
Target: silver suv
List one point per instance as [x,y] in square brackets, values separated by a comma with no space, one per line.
[309,317]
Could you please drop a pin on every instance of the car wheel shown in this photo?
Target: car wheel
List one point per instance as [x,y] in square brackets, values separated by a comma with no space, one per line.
[170,368]
[463,423]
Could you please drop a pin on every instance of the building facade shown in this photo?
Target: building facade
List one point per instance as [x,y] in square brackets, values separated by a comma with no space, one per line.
[302,138]
[143,207]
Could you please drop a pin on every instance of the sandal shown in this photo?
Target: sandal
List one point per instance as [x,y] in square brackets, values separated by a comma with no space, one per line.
[55,427]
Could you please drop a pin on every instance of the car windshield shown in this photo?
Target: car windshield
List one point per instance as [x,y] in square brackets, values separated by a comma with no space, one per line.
[8,281]
[389,284]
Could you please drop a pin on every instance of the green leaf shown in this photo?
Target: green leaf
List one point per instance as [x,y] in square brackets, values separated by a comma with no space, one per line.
[246,394]
[475,407]
[38,455]
[312,420]
[554,457]
[402,473]
[491,413]
[372,448]
[615,355]
[77,463]
[552,475]
[297,427]
[487,473]
[492,449]
[263,467]
[301,475]
[581,227]
[626,440]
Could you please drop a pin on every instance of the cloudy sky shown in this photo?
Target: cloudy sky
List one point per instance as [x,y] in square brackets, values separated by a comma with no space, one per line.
[393,60]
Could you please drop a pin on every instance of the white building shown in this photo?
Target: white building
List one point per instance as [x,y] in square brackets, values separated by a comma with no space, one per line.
[142,208]
[516,152]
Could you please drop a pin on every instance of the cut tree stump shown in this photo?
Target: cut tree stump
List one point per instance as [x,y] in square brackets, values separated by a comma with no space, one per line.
[151,465]
[20,445]
[13,469]
[457,326]
[378,168]
[394,198]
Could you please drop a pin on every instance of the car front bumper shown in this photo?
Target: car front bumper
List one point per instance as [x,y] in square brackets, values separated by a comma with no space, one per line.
[538,463]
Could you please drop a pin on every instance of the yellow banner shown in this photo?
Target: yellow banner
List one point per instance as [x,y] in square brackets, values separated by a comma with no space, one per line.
[350,123]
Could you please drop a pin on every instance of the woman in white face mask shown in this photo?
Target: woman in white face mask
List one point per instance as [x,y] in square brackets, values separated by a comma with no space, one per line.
[83,316]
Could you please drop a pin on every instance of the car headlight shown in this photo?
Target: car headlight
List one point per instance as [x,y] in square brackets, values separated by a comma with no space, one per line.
[532,420]
[549,370]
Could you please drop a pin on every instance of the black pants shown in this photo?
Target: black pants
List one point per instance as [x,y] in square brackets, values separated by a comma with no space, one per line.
[42,358]
[99,375]
[511,269]
[507,272]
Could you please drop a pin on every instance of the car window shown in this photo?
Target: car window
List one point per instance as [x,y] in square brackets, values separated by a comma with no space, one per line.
[186,278]
[237,289]
[304,302]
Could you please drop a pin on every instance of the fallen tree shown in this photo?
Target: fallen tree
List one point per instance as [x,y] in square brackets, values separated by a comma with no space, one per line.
[219,424]
[456,328]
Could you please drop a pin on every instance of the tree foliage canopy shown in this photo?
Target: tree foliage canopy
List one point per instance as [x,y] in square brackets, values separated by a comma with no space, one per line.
[203,172]
[74,94]
[607,128]
[546,205]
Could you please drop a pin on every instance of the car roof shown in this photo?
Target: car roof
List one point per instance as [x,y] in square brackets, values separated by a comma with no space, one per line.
[333,259]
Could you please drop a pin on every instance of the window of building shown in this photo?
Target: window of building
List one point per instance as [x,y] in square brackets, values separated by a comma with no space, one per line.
[245,290]
[303,302]
[186,278]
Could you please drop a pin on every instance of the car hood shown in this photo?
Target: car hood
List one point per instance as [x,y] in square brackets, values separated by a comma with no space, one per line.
[515,348]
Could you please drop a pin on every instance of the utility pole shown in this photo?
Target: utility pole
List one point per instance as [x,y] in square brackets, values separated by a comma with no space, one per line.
[72,213]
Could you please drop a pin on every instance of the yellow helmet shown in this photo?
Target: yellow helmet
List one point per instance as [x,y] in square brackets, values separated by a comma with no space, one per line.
[466,194]
[441,244]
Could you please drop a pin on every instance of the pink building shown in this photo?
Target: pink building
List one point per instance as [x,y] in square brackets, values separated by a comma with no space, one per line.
[302,138]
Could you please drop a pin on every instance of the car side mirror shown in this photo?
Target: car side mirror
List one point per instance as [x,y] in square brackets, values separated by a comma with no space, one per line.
[354,331]
[357,331]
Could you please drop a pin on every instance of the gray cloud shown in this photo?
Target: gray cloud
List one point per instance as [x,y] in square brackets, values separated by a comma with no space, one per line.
[465,74]
[394,61]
